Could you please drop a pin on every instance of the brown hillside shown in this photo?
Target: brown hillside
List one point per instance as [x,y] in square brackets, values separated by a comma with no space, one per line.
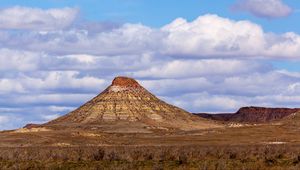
[125,100]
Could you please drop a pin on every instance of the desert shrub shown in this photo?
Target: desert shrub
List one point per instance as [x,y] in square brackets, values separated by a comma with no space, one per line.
[172,157]
[98,155]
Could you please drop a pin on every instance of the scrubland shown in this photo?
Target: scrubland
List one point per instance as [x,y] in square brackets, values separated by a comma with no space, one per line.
[252,157]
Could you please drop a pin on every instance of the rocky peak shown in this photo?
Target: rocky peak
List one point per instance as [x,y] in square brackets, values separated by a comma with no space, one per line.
[123,83]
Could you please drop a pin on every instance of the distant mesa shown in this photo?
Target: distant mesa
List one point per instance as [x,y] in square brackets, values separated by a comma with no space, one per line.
[252,115]
[127,106]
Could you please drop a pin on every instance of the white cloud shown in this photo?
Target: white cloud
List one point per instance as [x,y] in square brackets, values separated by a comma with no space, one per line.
[52,99]
[294,88]
[87,59]
[63,80]
[3,119]
[177,86]
[36,19]
[286,45]
[18,60]
[208,36]
[264,8]
[211,35]
[50,82]
[128,39]
[196,68]
[203,102]
[250,84]
[8,86]
[22,61]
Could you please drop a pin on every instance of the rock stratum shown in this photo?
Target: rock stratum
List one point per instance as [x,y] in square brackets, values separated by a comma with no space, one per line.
[126,101]
[252,115]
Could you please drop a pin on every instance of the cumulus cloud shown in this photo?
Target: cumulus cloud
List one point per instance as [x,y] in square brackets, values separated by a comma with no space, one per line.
[128,39]
[36,19]
[203,102]
[208,36]
[18,60]
[286,45]
[8,86]
[249,85]
[3,119]
[205,67]
[211,35]
[264,8]
[52,81]
[175,87]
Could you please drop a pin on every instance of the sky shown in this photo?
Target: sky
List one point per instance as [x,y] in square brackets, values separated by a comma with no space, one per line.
[201,55]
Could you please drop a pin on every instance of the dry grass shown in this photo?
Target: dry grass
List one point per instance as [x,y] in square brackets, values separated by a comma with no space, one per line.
[163,157]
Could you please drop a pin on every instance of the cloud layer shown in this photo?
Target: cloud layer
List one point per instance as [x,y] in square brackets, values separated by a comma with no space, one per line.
[210,64]
[36,19]
[264,8]
[208,36]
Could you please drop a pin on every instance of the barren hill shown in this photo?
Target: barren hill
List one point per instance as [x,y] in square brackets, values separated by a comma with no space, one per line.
[125,101]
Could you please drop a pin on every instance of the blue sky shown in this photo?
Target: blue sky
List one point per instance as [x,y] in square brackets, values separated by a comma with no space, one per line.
[202,55]
[157,13]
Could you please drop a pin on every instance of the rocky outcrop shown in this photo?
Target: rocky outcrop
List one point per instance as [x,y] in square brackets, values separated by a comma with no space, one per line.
[252,115]
[125,82]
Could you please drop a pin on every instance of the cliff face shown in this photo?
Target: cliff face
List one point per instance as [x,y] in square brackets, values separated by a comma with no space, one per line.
[252,115]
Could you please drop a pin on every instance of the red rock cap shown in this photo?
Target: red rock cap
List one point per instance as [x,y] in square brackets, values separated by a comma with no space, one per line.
[125,82]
